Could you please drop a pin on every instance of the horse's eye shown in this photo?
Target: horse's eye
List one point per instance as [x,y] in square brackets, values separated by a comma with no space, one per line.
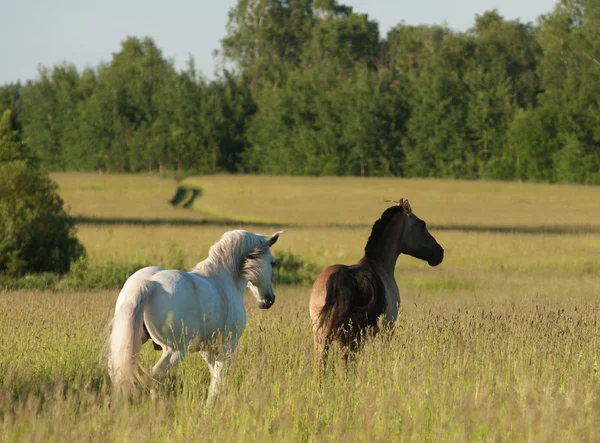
[273,263]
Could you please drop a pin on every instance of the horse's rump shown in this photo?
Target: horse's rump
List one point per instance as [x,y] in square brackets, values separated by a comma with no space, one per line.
[355,299]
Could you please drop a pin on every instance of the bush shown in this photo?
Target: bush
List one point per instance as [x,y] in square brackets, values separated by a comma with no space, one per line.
[82,276]
[36,234]
[294,270]
[291,270]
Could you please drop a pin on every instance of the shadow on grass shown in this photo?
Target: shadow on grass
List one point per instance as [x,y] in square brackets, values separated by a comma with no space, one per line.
[185,196]
[534,229]
[83,220]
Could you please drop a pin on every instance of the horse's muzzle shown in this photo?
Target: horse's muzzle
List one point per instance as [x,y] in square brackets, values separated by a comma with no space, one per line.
[266,303]
[437,258]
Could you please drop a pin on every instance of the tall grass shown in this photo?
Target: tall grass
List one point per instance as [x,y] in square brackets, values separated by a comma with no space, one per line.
[499,343]
[502,372]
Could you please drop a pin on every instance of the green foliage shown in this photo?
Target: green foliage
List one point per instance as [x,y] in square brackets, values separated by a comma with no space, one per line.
[36,234]
[12,148]
[312,88]
[436,140]
[10,98]
[84,275]
[291,270]
[531,142]
[294,270]
[81,276]
[570,162]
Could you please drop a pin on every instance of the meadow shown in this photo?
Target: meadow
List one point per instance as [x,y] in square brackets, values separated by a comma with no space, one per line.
[499,343]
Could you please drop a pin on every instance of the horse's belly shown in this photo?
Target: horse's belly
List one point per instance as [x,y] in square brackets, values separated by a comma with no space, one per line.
[175,322]
[222,335]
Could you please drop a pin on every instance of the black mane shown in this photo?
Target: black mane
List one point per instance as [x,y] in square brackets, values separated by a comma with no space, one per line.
[379,227]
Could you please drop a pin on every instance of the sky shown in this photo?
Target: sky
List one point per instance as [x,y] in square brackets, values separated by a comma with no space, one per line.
[47,32]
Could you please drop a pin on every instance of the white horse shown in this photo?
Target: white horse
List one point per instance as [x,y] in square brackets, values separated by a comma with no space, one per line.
[198,311]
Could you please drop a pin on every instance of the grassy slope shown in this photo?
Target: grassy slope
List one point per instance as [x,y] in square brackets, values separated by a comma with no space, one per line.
[498,343]
[355,201]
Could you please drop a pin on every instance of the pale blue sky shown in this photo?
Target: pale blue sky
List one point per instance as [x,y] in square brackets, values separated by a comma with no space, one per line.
[47,32]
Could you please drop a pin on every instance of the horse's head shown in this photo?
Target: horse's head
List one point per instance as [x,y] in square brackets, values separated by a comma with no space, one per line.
[259,268]
[416,240]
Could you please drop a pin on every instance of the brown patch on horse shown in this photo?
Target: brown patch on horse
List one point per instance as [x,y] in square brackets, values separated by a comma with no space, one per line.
[354,301]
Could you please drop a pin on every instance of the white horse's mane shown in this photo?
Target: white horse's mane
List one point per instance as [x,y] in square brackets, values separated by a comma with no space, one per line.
[231,252]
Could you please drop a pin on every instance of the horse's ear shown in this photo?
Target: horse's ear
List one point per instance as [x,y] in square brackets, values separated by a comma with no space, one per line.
[406,206]
[274,238]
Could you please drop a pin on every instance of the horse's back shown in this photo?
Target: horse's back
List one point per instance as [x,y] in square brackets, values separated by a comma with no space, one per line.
[182,293]
[142,274]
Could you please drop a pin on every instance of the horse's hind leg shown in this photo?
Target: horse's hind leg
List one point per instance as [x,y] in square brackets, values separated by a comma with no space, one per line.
[322,344]
[169,358]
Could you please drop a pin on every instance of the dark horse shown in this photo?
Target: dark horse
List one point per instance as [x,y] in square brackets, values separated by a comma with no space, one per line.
[347,301]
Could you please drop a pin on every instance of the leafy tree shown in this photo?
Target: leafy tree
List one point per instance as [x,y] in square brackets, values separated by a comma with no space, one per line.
[50,114]
[233,106]
[10,98]
[310,87]
[343,38]
[567,112]
[265,36]
[531,143]
[35,232]
[436,143]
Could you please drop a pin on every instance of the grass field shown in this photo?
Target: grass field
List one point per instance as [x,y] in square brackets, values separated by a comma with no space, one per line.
[499,343]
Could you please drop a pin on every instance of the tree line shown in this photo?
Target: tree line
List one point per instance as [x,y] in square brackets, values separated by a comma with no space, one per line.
[312,88]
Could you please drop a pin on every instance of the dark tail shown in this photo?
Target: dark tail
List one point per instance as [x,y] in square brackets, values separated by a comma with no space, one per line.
[355,299]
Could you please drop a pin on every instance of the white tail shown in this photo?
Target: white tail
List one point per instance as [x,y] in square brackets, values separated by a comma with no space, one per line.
[125,340]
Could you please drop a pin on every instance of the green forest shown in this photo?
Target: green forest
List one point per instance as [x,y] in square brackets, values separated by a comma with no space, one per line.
[311,87]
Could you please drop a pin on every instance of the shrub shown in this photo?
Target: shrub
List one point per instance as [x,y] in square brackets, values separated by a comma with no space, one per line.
[294,270]
[110,275]
[82,276]
[36,234]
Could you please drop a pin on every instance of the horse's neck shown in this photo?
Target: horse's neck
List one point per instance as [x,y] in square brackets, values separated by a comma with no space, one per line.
[219,274]
[228,280]
[382,259]
[387,249]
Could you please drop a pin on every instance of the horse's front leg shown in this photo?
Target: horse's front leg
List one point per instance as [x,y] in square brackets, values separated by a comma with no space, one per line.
[217,363]
[216,381]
